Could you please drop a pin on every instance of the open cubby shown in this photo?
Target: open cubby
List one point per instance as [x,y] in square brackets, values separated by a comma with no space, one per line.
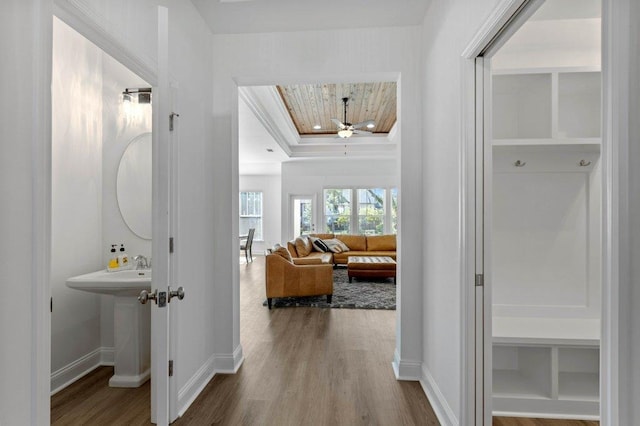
[522,106]
[523,372]
[559,106]
[578,371]
[579,105]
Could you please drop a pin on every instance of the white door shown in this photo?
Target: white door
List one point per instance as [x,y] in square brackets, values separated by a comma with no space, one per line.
[303,215]
[161,397]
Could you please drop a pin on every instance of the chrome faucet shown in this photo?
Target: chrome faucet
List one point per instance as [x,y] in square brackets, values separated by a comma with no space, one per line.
[141,262]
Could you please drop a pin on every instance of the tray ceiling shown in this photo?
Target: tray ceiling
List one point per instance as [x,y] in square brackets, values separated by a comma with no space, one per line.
[312,105]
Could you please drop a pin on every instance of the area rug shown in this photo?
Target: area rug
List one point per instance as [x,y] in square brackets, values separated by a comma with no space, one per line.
[361,293]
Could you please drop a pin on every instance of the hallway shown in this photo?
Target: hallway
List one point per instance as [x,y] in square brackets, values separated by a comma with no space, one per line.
[302,366]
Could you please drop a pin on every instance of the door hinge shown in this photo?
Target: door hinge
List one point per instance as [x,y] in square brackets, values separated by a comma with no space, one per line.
[51,304]
[479,280]
[170,244]
[170,368]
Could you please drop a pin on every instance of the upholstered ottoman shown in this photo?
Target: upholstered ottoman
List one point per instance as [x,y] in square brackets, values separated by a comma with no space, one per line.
[371,266]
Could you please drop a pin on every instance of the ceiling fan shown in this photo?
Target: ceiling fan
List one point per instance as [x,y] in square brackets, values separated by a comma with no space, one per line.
[346,129]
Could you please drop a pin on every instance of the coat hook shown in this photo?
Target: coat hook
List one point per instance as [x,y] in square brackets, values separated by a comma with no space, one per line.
[519,163]
[584,163]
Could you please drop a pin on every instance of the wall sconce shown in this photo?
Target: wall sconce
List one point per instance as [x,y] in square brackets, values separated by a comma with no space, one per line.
[142,95]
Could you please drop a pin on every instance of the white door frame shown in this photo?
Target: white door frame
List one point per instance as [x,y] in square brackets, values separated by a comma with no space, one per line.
[502,15]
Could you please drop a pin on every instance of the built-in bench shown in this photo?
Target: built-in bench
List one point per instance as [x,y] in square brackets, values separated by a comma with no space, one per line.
[546,367]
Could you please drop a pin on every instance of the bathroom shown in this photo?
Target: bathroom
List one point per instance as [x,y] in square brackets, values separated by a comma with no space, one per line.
[92,127]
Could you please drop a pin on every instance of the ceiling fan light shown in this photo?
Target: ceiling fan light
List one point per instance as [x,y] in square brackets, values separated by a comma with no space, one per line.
[317,127]
[345,133]
[371,126]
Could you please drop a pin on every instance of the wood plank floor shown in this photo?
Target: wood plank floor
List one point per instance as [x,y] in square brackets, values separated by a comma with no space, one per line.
[303,366]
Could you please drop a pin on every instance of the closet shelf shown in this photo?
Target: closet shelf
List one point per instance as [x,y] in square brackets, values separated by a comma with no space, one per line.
[513,384]
[546,331]
[546,142]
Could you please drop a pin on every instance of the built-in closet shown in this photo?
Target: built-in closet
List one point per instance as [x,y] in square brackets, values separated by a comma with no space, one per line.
[546,220]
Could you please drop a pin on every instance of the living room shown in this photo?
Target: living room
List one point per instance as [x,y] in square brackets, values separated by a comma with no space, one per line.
[293,183]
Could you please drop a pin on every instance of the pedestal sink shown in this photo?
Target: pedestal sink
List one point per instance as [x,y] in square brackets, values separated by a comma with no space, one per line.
[132,321]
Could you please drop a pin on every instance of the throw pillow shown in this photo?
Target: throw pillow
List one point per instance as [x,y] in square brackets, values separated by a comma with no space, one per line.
[303,246]
[282,252]
[342,245]
[319,245]
[333,245]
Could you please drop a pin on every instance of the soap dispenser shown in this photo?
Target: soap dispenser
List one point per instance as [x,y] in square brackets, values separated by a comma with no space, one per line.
[123,258]
[113,264]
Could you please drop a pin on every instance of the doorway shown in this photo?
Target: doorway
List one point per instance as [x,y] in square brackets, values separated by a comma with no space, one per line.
[116,109]
[539,206]
[303,214]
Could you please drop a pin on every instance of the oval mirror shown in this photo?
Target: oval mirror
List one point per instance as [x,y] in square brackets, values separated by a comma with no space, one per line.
[134,185]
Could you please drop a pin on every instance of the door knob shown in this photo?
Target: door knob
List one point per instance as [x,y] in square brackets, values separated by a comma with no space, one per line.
[145,296]
[179,293]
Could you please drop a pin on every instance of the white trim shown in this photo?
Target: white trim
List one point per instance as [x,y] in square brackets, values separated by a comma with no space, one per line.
[228,363]
[79,368]
[282,137]
[615,184]
[95,27]
[107,355]
[500,15]
[439,404]
[406,369]
[196,384]
[537,415]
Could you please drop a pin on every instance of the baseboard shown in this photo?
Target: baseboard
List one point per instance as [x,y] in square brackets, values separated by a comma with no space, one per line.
[406,370]
[216,364]
[195,385]
[79,368]
[107,356]
[228,363]
[438,402]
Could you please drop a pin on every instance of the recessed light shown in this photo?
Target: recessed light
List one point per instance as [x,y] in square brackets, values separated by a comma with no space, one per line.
[269,150]
[370,126]
[317,127]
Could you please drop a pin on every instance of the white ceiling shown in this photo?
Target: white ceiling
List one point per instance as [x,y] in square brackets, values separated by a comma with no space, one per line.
[257,16]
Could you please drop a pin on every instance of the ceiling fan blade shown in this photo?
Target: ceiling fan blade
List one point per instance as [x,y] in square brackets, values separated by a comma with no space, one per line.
[338,123]
[361,132]
[364,124]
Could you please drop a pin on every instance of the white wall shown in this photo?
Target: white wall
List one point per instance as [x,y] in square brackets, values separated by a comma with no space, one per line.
[311,56]
[25,140]
[76,216]
[447,29]
[270,186]
[311,177]
[120,124]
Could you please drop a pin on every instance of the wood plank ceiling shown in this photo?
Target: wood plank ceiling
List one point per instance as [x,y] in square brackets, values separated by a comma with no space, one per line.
[316,104]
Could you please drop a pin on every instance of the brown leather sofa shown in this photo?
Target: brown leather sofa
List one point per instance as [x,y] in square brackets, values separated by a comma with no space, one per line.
[286,279]
[302,250]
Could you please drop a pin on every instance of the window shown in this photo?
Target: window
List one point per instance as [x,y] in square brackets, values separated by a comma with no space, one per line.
[251,213]
[364,211]
[337,211]
[371,211]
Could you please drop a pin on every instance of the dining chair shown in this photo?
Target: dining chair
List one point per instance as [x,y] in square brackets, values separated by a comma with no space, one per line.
[247,245]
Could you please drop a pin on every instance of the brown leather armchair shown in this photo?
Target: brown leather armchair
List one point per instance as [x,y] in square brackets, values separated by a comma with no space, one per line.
[285,279]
